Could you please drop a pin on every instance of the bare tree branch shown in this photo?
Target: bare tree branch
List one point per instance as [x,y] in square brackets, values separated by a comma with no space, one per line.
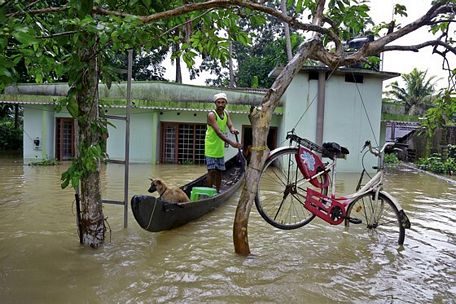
[417,47]
[40,11]
[379,45]
[318,17]
[426,19]
[58,34]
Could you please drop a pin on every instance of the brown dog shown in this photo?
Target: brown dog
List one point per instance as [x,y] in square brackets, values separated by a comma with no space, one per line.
[169,194]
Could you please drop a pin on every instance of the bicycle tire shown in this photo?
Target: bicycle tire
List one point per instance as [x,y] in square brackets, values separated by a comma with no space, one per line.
[379,219]
[275,203]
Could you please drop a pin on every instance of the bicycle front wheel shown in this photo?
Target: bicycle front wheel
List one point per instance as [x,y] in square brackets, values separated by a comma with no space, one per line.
[380,219]
[282,191]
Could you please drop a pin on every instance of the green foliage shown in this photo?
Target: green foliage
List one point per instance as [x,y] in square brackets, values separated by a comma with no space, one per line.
[46,162]
[83,165]
[257,61]
[10,127]
[350,17]
[437,164]
[254,82]
[452,151]
[442,113]
[391,159]
[10,138]
[400,10]
[416,94]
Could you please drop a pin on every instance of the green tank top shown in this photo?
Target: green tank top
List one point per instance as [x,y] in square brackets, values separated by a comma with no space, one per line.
[214,146]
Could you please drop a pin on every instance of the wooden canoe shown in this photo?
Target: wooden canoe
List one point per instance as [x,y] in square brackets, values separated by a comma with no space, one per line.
[155,215]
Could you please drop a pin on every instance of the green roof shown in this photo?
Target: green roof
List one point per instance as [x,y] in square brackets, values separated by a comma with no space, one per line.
[145,95]
[136,103]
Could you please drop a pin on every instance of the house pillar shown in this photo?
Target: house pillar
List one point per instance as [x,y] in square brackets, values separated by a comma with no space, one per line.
[320,108]
[155,137]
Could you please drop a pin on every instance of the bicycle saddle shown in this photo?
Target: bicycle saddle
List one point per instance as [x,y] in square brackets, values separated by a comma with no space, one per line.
[332,148]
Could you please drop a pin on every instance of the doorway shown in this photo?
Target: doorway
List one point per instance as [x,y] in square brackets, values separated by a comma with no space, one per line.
[65,139]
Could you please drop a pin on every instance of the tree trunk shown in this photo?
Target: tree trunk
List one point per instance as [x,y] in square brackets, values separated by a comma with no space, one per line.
[178,66]
[178,70]
[230,66]
[260,117]
[92,219]
[260,126]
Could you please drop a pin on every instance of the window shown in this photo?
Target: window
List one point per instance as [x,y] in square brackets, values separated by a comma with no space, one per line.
[182,143]
[356,78]
[64,139]
[313,75]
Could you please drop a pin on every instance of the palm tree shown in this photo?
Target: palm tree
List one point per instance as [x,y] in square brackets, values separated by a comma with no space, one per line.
[416,95]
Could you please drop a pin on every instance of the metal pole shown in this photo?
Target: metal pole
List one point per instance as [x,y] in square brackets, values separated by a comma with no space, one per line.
[127,137]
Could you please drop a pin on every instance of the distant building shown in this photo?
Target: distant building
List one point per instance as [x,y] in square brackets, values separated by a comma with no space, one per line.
[394,130]
[168,120]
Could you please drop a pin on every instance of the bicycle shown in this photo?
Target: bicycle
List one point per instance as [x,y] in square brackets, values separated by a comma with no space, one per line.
[293,189]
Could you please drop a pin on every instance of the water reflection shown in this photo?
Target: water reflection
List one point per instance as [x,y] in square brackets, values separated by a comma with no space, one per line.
[42,261]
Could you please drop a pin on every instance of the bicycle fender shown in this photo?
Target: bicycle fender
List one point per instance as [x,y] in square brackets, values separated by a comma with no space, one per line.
[276,150]
[405,222]
[393,199]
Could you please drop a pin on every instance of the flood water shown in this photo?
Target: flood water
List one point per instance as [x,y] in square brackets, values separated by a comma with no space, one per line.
[41,260]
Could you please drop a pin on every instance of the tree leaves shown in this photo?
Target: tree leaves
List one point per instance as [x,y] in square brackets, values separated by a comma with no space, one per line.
[417,94]
[400,10]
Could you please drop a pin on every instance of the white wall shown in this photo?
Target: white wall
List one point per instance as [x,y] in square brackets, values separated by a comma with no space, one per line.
[352,116]
[300,110]
[38,124]
[143,134]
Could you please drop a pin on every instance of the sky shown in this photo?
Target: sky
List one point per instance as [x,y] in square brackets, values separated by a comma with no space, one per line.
[394,61]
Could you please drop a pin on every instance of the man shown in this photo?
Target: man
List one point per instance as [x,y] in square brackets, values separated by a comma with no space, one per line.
[214,150]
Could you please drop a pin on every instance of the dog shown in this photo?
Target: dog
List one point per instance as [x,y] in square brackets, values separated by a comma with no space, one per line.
[169,194]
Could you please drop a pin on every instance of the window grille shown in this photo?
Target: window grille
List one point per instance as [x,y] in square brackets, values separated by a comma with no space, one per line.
[65,136]
[169,143]
[183,143]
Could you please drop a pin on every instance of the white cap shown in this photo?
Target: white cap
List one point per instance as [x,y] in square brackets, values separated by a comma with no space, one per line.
[220,96]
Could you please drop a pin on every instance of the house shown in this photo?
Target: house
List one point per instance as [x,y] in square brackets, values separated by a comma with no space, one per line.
[342,106]
[167,124]
[168,120]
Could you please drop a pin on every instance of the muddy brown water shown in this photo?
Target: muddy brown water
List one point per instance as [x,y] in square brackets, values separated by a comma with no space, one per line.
[41,260]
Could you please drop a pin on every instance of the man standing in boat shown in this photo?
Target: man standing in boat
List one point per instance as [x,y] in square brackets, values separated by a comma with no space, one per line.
[216,138]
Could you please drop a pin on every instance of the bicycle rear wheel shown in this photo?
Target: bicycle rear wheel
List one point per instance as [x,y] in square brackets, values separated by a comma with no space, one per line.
[380,219]
[282,191]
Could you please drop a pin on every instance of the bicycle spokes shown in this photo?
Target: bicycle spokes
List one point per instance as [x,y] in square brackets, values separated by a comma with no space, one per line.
[379,218]
[282,192]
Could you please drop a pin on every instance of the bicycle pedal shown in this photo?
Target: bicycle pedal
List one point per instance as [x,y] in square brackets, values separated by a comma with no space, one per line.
[354,220]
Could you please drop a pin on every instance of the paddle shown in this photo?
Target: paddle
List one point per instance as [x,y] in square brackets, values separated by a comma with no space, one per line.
[241,156]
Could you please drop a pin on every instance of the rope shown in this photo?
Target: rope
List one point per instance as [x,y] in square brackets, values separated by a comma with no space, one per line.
[329,77]
[258,148]
[365,110]
[299,120]
[152,214]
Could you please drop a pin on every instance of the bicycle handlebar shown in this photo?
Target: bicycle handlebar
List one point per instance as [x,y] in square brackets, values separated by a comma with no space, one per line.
[376,151]
[305,142]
